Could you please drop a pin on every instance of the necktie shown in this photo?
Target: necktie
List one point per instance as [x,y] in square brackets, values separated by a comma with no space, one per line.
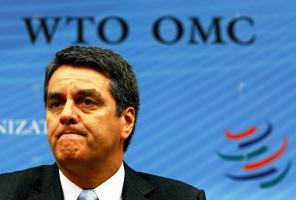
[88,195]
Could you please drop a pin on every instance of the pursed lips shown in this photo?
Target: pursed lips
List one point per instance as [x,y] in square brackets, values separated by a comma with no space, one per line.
[70,132]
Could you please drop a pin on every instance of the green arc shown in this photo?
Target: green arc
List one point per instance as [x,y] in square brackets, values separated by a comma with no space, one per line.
[278,179]
[246,156]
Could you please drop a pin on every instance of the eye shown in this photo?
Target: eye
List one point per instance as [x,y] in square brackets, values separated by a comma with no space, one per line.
[55,104]
[88,101]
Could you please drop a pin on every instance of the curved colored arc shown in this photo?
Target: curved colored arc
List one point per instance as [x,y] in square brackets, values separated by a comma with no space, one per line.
[238,136]
[252,154]
[252,176]
[230,157]
[266,161]
[277,179]
[259,138]
[257,152]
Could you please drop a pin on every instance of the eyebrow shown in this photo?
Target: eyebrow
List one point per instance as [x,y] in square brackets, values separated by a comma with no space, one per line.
[88,93]
[79,93]
[54,95]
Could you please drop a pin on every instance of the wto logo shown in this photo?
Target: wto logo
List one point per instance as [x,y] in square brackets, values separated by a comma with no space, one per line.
[258,161]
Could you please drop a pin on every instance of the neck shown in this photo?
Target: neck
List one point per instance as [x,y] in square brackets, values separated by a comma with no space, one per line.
[88,176]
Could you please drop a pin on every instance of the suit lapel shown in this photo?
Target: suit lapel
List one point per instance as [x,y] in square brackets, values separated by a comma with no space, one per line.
[135,187]
[47,186]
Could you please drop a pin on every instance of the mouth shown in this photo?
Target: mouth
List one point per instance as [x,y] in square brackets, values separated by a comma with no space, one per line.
[66,132]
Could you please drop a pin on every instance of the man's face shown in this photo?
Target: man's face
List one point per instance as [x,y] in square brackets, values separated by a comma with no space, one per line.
[81,117]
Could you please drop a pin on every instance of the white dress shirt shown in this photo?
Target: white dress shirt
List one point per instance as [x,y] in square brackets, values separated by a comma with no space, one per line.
[110,189]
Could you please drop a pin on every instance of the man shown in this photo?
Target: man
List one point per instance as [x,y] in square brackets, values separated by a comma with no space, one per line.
[92,100]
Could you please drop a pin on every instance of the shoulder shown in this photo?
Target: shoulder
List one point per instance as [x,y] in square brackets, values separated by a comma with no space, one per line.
[23,175]
[20,182]
[176,188]
[163,188]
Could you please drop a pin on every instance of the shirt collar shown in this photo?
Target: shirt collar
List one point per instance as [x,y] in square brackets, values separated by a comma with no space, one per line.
[110,189]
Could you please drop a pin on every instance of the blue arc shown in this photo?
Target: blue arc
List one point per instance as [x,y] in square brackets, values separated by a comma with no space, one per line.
[252,176]
[259,138]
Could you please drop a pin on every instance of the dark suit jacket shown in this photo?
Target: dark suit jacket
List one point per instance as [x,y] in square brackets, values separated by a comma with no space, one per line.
[43,183]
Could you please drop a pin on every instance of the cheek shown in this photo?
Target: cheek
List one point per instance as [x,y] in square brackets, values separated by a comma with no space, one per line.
[51,124]
[104,130]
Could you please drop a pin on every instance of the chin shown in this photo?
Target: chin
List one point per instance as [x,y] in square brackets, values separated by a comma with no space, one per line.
[66,154]
[69,162]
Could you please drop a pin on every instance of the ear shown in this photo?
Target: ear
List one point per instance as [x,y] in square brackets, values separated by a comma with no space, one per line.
[128,117]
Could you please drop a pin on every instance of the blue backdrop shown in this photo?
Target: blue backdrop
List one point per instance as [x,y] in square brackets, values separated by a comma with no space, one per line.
[216,79]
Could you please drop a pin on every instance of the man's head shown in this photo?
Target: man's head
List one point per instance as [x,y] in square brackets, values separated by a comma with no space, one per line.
[123,85]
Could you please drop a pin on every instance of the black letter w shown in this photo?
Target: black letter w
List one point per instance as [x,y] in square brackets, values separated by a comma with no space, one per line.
[42,26]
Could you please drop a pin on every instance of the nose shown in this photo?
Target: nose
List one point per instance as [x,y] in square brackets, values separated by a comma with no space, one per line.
[68,115]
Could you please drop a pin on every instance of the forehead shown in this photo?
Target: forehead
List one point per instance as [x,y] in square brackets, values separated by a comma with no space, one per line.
[78,77]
